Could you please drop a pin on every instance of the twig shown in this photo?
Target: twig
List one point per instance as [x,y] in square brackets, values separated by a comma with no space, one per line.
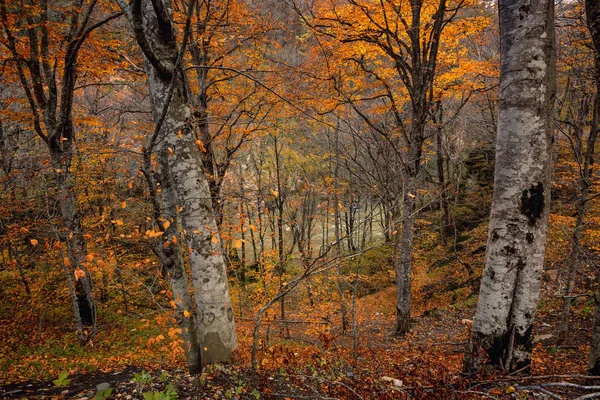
[539,389]
[589,396]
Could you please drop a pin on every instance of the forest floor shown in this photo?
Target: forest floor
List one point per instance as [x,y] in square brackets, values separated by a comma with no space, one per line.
[311,356]
[311,365]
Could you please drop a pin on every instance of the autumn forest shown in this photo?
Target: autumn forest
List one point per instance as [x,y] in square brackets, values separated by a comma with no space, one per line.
[299,199]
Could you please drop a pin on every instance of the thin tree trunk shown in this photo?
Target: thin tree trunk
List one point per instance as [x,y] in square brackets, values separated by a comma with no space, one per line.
[403,258]
[592,10]
[76,249]
[445,224]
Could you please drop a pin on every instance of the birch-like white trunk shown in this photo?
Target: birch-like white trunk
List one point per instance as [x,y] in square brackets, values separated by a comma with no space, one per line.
[502,329]
[179,153]
[175,266]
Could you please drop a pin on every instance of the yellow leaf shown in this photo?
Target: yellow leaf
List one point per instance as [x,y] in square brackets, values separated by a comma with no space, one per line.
[237,244]
[215,239]
[119,222]
[34,242]
[124,204]
[187,314]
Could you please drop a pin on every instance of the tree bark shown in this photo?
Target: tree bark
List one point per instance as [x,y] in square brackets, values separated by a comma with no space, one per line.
[180,155]
[404,238]
[76,249]
[592,10]
[502,330]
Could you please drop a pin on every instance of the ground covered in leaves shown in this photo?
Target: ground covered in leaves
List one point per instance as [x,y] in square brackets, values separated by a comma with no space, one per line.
[311,355]
[426,364]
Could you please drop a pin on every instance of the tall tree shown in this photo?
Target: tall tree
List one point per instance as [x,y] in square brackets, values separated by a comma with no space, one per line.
[405,36]
[574,110]
[178,150]
[592,11]
[48,74]
[502,329]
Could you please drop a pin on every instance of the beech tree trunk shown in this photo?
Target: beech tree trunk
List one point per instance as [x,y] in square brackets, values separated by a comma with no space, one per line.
[175,266]
[179,153]
[502,330]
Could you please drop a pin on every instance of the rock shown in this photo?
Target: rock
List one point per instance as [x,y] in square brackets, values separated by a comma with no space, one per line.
[102,386]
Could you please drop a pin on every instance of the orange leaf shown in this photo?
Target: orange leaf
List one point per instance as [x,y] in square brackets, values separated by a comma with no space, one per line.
[79,273]
[34,242]
[201,146]
[67,261]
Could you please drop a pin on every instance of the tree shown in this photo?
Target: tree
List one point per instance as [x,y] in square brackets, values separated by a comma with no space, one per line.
[502,329]
[47,75]
[181,178]
[223,44]
[592,11]
[580,129]
[395,47]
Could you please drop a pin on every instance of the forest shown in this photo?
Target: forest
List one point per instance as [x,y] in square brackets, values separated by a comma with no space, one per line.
[299,199]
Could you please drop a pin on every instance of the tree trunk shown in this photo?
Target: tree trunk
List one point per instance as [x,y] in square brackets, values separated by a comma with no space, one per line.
[403,257]
[594,363]
[592,10]
[85,312]
[180,154]
[502,329]
[563,327]
[175,266]
[446,223]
